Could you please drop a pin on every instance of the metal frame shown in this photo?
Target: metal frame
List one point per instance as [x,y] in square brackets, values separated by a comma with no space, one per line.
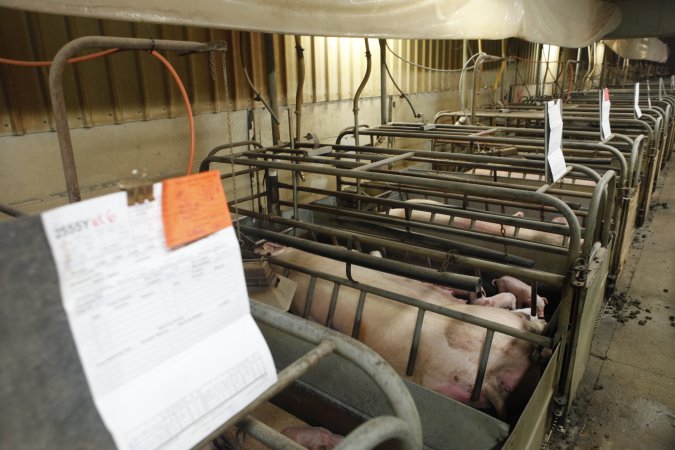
[360,165]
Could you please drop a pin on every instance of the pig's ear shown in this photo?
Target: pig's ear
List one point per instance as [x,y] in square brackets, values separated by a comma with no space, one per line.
[519,214]
[545,300]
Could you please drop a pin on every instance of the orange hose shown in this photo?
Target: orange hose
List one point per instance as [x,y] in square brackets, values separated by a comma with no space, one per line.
[18,62]
[191,122]
[167,64]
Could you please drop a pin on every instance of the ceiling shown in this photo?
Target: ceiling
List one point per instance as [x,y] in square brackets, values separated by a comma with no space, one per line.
[645,18]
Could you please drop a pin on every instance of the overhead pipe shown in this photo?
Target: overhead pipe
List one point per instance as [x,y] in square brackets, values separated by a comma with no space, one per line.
[57,96]
[301,83]
[359,91]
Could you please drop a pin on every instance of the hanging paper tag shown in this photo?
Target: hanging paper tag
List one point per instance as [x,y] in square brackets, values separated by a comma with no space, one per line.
[649,96]
[554,156]
[636,101]
[194,206]
[672,82]
[662,88]
[605,130]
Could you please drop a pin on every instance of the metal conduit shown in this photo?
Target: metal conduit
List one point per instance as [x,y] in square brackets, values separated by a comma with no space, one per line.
[301,82]
[359,90]
[58,98]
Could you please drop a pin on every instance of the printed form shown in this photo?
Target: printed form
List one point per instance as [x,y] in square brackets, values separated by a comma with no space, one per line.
[166,339]
[555,158]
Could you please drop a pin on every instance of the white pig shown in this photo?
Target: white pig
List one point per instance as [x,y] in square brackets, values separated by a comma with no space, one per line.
[504,300]
[449,349]
[481,225]
[522,291]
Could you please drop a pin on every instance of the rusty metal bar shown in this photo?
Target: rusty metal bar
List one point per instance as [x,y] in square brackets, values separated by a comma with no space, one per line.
[480,375]
[414,346]
[359,315]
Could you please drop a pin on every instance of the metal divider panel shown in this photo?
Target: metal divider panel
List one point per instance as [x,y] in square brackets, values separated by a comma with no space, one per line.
[446,423]
[43,391]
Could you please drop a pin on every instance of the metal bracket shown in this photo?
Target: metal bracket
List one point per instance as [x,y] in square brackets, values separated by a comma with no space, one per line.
[580,273]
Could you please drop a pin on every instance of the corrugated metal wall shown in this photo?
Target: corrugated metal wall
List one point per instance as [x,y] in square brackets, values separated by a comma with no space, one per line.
[133,86]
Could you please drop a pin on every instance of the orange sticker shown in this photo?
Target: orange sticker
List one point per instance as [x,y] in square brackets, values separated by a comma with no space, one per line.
[193,207]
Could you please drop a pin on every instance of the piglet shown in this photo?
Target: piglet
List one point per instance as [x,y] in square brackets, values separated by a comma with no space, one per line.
[313,438]
[522,291]
[504,300]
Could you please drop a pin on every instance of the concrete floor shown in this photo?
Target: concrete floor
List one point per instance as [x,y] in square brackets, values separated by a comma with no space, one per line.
[626,399]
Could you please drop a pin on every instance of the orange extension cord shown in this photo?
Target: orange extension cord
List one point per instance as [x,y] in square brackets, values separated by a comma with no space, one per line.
[167,64]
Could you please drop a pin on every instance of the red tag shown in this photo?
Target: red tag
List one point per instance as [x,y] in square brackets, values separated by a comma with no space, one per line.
[605,94]
[193,207]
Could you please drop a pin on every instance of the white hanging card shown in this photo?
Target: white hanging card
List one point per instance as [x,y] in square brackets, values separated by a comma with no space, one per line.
[649,96]
[165,337]
[606,130]
[555,158]
[636,101]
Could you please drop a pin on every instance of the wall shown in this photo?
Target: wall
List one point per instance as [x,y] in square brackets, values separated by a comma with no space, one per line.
[125,112]
[31,179]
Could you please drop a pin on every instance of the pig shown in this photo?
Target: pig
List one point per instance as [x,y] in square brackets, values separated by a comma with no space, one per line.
[522,291]
[481,225]
[449,349]
[313,438]
[505,300]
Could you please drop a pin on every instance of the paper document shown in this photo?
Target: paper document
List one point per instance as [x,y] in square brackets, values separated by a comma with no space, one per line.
[166,339]
[636,101]
[604,114]
[554,156]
